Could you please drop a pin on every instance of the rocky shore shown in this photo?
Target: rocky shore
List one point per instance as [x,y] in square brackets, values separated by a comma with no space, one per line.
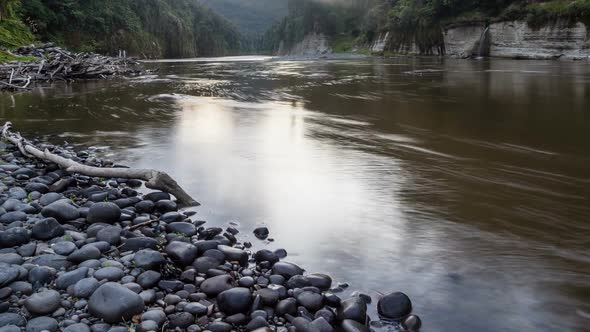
[80,254]
[56,64]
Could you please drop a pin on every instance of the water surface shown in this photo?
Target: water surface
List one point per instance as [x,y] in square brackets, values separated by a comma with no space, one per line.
[465,184]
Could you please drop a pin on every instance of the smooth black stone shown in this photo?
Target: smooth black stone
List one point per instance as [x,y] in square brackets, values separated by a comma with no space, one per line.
[298,281]
[246,282]
[276,279]
[145,207]
[411,323]
[41,275]
[43,303]
[9,318]
[181,252]
[261,233]
[70,278]
[394,306]
[321,281]
[57,262]
[286,269]
[47,229]
[327,314]
[205,245]
[103,246]
[138,243]
[39,187]
[61,185]
[98,197]
[64,248]
[21,287]
[265,255]
[50,198]
[166,205]
[27,250]
[185,228]
[171,285]
[110,234]
[310,301]
[11,258]
[321,325]
[105,212]
[196,308]
[332,300]
[268,296]
[109,273]
[353,308]
[218,326]
[256,323]
[14,237]
[42,323]
[204,263]
[147,326]
[156,196]
[5,292]
[148,279]
[84,288]
[62,210]
[83,254]
[78,327]
[114,303]
[286,306]
[8,273]
[13,216]
[172,216]
[210,233]
[350,325]
[234,254]
[281,253]
[215,285]
[148,259]
[181,320]
[301,324]
[155,315]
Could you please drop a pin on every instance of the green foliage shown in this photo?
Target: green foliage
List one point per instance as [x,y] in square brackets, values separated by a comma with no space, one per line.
[410,22]
[14,33]
[150,28]
[252,17]
[307,16]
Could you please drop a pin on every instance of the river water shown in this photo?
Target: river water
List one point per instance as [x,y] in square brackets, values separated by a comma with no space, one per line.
[464,184]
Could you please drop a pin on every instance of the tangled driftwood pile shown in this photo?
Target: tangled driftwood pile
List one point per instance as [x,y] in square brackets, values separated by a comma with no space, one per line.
[55,63]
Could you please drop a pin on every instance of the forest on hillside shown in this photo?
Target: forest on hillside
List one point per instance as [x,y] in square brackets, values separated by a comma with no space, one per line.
[251,17]
[145,28]
[358,22]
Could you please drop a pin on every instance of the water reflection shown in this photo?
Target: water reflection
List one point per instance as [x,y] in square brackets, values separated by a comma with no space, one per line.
[463,183]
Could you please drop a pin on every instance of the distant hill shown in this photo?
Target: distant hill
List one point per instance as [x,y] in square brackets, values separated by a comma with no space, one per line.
[251,17]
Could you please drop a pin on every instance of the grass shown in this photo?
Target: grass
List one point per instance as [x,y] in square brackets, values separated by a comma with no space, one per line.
[545,13]
[7,57]
[348,44]
[14,33]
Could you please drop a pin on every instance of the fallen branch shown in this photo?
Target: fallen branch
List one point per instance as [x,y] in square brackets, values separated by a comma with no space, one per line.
[153,179]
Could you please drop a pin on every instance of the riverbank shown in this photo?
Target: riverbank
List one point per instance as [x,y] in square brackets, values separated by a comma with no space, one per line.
[512,39]
[47,62]
[79,253]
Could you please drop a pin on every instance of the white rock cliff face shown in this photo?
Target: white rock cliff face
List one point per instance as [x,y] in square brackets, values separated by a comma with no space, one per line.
[517,40]
[379,44]
[313,44]
[462,41]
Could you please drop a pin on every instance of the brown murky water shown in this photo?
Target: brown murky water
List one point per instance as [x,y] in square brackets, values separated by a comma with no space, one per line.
[465,184]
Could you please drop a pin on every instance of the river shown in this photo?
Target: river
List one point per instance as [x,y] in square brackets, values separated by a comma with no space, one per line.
[464,184]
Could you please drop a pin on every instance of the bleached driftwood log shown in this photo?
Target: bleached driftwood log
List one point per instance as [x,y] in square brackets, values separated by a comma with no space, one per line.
[153,179]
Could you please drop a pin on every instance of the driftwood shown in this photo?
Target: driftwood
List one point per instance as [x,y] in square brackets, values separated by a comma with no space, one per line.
[153,179]
[55,63]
